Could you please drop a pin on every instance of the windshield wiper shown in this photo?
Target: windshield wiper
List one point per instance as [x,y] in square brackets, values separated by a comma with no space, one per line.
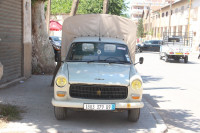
[119,62]
[74,61]
[101,61]
[91,61]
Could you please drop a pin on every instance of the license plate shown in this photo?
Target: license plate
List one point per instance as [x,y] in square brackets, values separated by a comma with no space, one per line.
[179,53]
[99,106]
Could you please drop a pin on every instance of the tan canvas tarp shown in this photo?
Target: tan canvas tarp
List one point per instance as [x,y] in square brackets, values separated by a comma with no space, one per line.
[102,25]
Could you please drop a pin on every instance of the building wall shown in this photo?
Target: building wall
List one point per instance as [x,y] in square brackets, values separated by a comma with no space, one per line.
[15,41]
[179,20]
[137,7]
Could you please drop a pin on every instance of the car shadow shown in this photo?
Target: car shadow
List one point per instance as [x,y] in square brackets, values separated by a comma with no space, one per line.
[147,79]
[181,61]
[178,118]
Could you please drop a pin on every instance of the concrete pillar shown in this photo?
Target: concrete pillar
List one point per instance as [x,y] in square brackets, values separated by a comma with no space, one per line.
[183,30]
[172,30]
[1,70]
[27,38]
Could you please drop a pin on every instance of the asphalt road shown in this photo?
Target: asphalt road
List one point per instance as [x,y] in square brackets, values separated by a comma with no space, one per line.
[173,89]
[34,96]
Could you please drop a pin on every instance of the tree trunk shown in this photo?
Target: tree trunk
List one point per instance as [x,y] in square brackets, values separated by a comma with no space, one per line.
[105,6]
[48,14]
[74,7]
[43,55]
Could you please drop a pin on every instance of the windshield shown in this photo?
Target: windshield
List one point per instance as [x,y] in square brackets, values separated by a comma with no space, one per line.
[173,39]
[98,52]
[155,42]
[56,38]
[177,40]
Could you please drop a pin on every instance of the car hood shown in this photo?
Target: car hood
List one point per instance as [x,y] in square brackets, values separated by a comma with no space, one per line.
[57,43]
[98,73]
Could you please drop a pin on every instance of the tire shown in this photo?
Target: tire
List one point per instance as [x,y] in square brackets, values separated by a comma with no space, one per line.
[186,59]
[60,113]
[166,58]
[160,56]
[134,114]
[138,50]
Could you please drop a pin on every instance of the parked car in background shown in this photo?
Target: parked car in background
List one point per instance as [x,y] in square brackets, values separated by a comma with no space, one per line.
[152,45]
[56,44]
[139,46]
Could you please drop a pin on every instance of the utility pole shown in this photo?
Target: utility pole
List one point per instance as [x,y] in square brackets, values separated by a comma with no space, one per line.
[189,17]
[159,28]
[149,29]
[170,13]
[48,15]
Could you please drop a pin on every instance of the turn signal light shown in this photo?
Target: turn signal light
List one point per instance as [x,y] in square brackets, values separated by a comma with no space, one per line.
[135,97]
[61,93]
[187,53]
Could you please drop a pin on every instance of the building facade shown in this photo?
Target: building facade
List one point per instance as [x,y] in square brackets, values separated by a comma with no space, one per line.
[15,39]
[184,19]
[138,6]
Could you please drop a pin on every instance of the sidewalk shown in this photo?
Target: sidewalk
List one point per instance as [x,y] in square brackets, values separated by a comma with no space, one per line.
[35,94]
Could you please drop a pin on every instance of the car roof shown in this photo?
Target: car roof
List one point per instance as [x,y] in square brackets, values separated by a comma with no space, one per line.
[96,39]
[155,40]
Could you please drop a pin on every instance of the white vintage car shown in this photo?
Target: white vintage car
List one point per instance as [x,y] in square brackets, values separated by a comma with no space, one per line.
[97,74]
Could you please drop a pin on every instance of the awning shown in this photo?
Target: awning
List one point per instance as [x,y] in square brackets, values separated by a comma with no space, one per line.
[55,26]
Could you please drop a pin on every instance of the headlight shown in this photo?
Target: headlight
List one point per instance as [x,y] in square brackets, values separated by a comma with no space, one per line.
[61,81]
[136,84]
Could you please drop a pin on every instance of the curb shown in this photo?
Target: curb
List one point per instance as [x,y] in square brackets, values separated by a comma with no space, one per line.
[160,124]
[8,84]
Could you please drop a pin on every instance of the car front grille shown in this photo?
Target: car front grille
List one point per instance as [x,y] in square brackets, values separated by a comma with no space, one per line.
[98,92]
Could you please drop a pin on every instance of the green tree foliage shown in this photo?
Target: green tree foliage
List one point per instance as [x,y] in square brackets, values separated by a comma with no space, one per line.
[61,6]
[117,7]
[90,6]
[140,28]
[33,1]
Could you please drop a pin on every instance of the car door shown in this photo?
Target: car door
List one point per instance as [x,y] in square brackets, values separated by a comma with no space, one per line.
[149,46]
[146,46]
[155,46]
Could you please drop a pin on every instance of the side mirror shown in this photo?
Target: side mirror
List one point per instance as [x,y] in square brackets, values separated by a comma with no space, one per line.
[141,60]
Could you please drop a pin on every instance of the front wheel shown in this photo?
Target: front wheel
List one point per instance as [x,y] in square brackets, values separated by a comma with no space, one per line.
[166,58]
[186,59]
[60,113]
[134,114]
[160,56]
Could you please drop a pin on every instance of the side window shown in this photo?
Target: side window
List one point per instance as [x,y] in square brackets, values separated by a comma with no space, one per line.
[182,9]
[163,14]
[176,10]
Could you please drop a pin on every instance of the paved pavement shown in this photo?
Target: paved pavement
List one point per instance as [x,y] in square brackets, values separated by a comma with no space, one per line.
[172,88]
[35,95]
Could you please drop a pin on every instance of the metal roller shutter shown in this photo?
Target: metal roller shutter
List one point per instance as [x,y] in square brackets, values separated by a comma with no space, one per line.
[11,39]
